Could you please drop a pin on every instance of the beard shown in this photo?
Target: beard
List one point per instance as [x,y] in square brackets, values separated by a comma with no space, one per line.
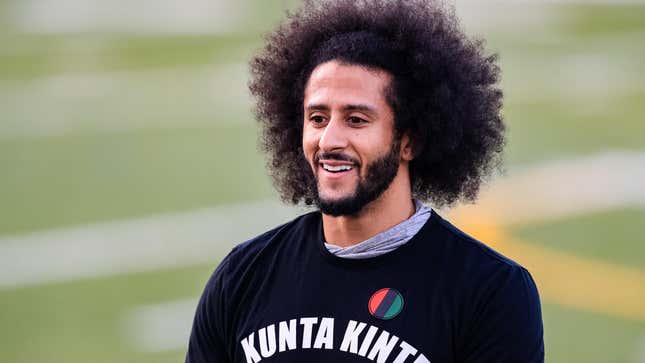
[379,175]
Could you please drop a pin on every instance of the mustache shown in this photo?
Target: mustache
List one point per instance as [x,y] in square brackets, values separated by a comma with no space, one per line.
[335,156]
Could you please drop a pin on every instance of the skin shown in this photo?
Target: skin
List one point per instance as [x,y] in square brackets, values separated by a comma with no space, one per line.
[345,112]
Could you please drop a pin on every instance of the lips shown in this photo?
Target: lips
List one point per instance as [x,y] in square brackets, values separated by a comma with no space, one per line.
[334,166]
[335,169]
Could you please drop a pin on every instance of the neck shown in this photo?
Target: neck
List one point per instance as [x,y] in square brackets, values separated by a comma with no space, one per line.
[393,207]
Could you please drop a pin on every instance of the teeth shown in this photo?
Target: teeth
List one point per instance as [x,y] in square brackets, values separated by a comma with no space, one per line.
[336,168]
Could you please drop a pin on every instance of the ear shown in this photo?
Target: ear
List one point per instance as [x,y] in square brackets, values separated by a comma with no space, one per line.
[407,149]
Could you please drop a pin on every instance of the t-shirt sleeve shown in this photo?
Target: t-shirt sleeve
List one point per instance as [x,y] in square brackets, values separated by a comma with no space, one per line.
[207,342]
[508,322]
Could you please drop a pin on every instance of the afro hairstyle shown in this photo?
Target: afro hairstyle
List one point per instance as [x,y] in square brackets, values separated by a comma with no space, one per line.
[444,92]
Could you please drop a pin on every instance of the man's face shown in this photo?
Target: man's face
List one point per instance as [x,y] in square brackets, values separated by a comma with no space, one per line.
[348,136]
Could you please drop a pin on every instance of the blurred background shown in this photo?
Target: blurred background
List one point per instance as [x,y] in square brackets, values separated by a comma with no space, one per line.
[129,168]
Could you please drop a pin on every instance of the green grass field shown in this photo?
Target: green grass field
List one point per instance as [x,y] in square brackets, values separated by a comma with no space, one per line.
[104,126]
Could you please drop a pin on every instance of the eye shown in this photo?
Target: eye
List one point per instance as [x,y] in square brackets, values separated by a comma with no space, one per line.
[355,121]
[317,120]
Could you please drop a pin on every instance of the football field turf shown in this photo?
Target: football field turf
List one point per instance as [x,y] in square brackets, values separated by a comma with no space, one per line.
[104,133]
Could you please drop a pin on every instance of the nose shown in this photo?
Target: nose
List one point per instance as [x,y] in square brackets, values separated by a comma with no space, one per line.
[334,136]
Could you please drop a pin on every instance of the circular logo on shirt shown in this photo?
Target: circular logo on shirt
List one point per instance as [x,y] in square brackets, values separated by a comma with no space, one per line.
[385,303]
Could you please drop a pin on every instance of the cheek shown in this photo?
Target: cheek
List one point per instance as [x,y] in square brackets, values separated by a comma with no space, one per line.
[309,142]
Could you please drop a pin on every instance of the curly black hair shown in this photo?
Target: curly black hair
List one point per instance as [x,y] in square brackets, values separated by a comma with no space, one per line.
[444,92]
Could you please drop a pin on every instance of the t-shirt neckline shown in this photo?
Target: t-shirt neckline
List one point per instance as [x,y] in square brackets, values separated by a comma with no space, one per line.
[330,257]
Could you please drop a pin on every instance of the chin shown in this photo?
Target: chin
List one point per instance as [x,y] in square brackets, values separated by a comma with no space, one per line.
[341,206]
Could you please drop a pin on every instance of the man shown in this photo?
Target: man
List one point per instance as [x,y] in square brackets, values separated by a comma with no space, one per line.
[368,108]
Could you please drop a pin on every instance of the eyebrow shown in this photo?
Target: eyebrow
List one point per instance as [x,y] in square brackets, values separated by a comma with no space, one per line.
[346,108]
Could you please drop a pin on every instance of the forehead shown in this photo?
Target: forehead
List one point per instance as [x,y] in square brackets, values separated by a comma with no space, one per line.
[336,82]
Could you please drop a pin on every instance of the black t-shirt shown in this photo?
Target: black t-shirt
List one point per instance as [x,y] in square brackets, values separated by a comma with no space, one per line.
[441,297]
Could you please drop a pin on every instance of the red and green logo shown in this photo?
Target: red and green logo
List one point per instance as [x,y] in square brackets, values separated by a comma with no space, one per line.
[385,304]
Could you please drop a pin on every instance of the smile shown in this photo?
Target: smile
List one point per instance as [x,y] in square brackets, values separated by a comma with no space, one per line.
[336,168]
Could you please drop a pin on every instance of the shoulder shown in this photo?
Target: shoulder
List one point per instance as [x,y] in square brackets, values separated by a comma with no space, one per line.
[212,327]
[470,247]
[486,278]
[240,263]
[499,298]
[242,256]
[254,246]
[474,263]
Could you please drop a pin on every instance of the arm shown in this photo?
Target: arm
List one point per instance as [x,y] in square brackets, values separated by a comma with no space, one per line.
[507,326]
[207,343]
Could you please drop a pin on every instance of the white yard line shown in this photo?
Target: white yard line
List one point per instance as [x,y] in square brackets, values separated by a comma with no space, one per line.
[130,100]
[170,97]
[547,191]
[591,83]
[142,16]
[159,327]
[185,16]
[136,245]
[562,188]
[543,16]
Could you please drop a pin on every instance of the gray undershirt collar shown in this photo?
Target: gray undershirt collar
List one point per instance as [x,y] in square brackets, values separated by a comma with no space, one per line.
[388,240]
